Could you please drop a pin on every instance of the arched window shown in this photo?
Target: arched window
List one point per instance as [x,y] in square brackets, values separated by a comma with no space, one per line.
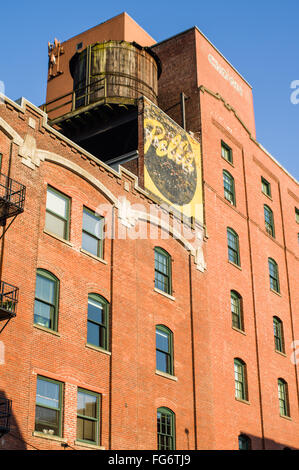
[269,220]
[46,300]
[273,275]
[278,334]
[166,429]
[163,270]
[233,246]
[240,379]
[98,321]
[229,187]
[283,398]
[236,309]
[244,442]
[164,349]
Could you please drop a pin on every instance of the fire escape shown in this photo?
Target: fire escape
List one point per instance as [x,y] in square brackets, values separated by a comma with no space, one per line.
[12,200]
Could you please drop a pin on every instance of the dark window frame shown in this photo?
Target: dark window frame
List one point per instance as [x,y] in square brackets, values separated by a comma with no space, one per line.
[167,277]
[266,187]
[237,316]
[278,335]
[229,187]
[59,409]
[55,305]
[227,151]
[66,219]
[170,353]
[102,326]
[273,275]
[241,387]
[269,221]
[89,418]
[165,441]
[283,398]
[233,246]
[244,442]
[100,241]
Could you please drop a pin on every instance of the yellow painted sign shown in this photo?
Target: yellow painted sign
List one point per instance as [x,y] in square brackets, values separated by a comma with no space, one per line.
[172,163]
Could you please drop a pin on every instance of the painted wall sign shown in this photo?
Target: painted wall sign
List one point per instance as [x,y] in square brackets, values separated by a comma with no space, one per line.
[225,74]
[172,162]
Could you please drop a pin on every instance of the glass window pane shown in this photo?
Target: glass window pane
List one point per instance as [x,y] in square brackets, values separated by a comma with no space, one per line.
[162,362]
[87,404]
[47,393]
[43,314]
[95,311]
[86,429]
[45,289]
[162,341]
[92,223]
[94,334]
[55,225]
[46,419]
[90,244]
[57,203]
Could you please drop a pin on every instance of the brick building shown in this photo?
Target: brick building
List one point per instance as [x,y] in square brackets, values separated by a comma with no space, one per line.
[123,324]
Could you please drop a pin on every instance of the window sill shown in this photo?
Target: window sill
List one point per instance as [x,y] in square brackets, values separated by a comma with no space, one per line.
[47,330]
[280,353]
[97,348]
[227,161]
[89,446]
[164,293]
[49,436]
[246,402]
[239,331]
[93,256]
[286,417]
[267,195]
[63,240]
[166,376]
[275,292]
[234,264]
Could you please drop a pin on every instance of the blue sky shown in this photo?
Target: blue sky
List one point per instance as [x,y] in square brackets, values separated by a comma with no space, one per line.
[260,38]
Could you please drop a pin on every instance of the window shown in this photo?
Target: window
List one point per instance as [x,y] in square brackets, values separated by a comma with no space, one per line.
[79,46]
[236,309]
[283,398]
[162,270]
[273,275]
[278,334]
[240,380]
[46,300]
[164,350]
[269,221]
[88,411]
[229,187]
[266,187]
[166,429]
[48,410]
[233,246]
[226,152]
[244,442]
[92,233]
[98,321]
[297,215]
[57,213]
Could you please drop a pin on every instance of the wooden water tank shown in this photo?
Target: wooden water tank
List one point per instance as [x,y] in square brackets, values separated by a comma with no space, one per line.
[118,71]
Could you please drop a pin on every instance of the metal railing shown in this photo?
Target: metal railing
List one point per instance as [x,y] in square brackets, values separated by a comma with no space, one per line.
[8,299]
[12,197]
[82,96]
[5,414]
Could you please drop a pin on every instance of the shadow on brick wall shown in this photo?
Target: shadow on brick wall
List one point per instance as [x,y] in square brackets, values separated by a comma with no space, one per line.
[10,434]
